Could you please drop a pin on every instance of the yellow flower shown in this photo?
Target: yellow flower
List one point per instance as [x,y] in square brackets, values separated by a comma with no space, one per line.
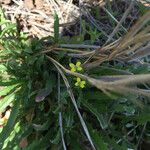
[80,83]
[76,67]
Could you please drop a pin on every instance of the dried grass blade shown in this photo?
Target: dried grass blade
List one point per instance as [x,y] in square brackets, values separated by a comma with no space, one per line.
[133,79]
[140,23]
[143,52]
[129,37]
[60,115]
[120,22]
[130,90]
[138,39]
[76,107]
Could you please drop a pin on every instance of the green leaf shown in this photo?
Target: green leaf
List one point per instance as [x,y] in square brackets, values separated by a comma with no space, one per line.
[57,138]
[6,101]
[12,135]
[75,144]
[99,142]
[3,67]
[142,118]
[76,39]
[6,90]
[42,94]
[140,69]
[7,29]
[42,127]
[21,131]
[102,120]
[56,28]
[41,143]
[10,124]
[111,142]
[9,83]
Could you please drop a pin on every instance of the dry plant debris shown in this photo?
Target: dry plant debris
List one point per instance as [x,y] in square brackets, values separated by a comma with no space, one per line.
[36,18]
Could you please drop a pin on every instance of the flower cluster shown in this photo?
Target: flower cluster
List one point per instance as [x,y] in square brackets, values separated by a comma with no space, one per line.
[75,68]
[80,83]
